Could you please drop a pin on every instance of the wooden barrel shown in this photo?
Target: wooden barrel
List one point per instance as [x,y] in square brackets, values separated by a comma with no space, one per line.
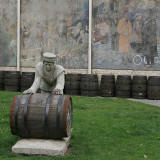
[123,86]
[12,80]
[89,85]
[153,88]
[41,116]
[72,92]
[107,86]
[139,87]
[27,79]
[72,84]
[1,80]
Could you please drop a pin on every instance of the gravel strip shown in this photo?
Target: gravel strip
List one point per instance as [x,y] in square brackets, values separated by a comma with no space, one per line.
[147,101]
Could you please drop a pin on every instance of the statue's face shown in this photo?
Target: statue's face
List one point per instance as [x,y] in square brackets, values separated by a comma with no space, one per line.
[48,66]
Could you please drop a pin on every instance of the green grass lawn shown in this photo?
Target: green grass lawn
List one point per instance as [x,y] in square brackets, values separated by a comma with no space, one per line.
[103,129]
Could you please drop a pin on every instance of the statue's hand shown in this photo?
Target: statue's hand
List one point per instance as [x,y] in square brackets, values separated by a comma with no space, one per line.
[28,91]
[57,92]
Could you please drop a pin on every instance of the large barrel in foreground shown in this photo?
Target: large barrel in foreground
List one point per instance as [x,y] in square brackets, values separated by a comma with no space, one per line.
[41,116]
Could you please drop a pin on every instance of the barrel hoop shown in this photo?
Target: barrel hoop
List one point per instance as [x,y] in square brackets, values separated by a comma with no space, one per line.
[12,111]
[68,101]
[16,112]
[59,107]
[46,113]
[26,111]
[71,110]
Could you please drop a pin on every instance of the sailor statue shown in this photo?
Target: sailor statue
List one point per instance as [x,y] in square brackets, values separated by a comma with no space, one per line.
[49,77]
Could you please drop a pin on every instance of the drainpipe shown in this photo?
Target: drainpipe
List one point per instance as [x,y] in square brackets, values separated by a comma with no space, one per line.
[90,39]
[18,33]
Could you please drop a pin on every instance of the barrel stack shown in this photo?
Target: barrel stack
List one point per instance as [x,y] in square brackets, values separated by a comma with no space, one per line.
[12,81]
[107,86]
[43,116]
[153,88]
[27,79]
[139,87]
[123,86]
[72,84]
[1,80]
[89,85]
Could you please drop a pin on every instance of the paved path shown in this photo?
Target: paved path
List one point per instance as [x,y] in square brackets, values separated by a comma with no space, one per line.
[147,101]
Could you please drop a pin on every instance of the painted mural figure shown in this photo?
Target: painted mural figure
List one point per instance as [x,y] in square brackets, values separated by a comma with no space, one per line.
[149,36]
[102,34]
[25,32]
[83,38]
[114,19]
[158,32]
[61,29]
[114,33]
[103,30]
[125,34]
[13,51]
[75,31]
[47,41]
[137,33]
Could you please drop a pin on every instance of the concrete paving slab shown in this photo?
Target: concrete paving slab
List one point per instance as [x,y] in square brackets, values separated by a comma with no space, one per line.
[41,147]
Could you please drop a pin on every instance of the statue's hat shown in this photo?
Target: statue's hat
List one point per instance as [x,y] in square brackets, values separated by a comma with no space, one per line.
[49,57]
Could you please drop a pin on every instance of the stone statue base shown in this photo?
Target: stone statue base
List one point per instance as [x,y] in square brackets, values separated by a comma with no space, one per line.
[41,147]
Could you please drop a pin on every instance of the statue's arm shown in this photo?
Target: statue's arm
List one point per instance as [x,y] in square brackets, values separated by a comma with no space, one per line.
[60,84]
[35,86]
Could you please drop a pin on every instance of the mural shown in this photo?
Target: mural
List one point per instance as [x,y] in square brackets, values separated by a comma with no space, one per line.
[47,25]
[126,34]
[8,33]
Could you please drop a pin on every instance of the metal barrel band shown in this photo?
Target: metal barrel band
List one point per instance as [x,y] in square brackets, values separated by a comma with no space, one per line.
[16,113]
[71,109]
[26,111]
[46,114]
[67,116]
